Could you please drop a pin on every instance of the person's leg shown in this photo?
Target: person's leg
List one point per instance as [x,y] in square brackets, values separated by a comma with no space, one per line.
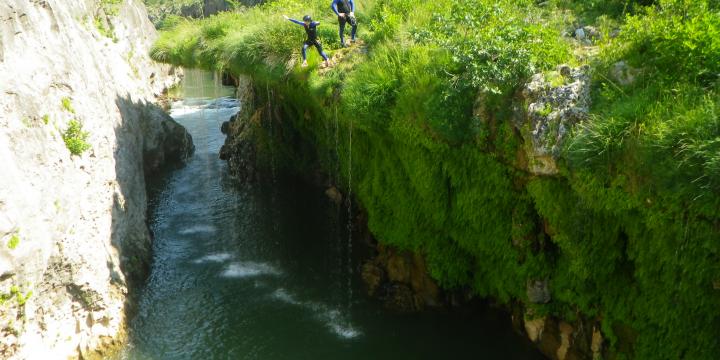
[354,29]
[304,54]
[319,48]
[342,22]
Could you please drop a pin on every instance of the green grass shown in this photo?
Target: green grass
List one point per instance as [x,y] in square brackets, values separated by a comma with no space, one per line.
[627,233]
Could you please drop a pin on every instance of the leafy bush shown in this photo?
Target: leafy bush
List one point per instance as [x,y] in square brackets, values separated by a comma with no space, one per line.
[75,138]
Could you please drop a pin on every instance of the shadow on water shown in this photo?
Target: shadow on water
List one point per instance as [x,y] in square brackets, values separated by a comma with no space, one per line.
[251,272]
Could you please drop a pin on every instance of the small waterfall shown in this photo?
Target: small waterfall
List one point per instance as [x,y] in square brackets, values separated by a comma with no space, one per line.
[337,148]
[340,246]
[273,170]
[271,119]
[350,220]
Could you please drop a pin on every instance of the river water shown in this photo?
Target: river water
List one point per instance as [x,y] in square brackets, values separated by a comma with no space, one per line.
[262,272]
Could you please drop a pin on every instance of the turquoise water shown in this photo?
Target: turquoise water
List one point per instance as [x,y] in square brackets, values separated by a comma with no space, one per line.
[261,272]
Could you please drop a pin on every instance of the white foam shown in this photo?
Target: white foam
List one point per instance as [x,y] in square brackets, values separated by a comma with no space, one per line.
[282,295]
[197,229]
[344,331]
[216,258]
[333,319]
[249,269]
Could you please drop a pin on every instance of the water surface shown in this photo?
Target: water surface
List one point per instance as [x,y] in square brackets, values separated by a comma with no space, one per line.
[261,272]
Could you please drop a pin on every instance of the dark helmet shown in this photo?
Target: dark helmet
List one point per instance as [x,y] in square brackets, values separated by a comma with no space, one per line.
[307,18]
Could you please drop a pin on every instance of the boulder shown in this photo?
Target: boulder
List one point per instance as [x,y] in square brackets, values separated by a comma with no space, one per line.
[553,109]
[580,34]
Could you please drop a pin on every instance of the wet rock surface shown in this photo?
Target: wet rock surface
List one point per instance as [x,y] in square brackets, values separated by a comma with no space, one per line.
[240,148]
[401,280]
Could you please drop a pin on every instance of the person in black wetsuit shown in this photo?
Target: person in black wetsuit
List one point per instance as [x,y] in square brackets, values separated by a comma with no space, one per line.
[312,38]
[345,10]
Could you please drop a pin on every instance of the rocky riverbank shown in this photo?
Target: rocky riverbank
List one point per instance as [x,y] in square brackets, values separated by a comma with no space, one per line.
[79,131]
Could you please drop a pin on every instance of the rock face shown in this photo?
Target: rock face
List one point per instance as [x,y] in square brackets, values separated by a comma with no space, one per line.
[73,234]
[560,340]
[240,148]
[401,280]
[556,102]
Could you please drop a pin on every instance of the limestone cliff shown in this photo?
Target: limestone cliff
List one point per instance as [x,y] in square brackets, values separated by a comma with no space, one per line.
[73,234]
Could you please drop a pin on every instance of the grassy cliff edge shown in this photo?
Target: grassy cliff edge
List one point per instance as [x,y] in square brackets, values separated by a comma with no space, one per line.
[419,123]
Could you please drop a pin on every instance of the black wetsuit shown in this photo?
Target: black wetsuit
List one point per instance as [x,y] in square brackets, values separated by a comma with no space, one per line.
[312,38]
[345,7]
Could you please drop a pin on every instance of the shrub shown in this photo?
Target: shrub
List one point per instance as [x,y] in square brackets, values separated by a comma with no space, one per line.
[13,242]
[66,104]
[75,138]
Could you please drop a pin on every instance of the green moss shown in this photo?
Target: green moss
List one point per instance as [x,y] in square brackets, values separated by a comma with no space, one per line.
[626,234]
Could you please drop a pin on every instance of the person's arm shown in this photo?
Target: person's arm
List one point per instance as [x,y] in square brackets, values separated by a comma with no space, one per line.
[334,7]
[352,6]
[293,20]
[316,23]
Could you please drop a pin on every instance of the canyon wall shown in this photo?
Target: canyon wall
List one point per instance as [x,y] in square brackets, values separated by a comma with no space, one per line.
[75,77]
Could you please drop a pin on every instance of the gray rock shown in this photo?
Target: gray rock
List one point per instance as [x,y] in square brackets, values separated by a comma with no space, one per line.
[580,34]
[552,111]
[592,33]
[538,291]
[624,74]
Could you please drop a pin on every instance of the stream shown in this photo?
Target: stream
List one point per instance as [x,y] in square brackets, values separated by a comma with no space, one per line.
[265,272]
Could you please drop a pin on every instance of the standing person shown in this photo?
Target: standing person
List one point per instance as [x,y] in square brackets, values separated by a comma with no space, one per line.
[311,40]
[345,10]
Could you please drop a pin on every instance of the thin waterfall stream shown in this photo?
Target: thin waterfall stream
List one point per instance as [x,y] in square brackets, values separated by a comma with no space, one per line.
[245,271]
